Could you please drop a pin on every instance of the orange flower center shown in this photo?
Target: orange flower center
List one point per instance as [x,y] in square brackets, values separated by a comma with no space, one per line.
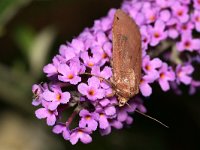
[156,35]
[162,75]
[91,92]
[147,67]
[104,55]
[197,19]
[180,13]
[152,18]
[187,44]
[101,115]
[70,76]
[88,117]
[90,64]
[58,97]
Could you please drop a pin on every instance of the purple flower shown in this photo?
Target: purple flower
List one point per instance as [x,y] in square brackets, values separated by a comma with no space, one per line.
[172,28]
[145,37]
[82,134]
[92,90]
[150,66]
[55,97]
[196,4]
[61,128]
[103,121]
[157,32]
[166,75]
[188,43]
[193,86]
[183,74]
[69,73]
[42,113]
[150,15]
[52,69]
[164,3]
[77,45]
[145,88]
[91,61]
[165,15]
[180,12]
[88,119]
[67,52]
[196,19]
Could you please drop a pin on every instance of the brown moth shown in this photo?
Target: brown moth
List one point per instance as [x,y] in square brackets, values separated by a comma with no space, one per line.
[126,57]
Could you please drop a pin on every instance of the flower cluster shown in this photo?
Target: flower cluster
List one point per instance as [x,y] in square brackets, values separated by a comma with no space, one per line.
[170,46]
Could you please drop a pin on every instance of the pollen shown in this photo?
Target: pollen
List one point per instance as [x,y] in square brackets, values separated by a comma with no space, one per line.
[147,67]
[87,117]
[187,44]
[197,19]
[90,64]
[156,35]
[80,131]
[101,115]
[91,92]
[70,76]
[104,55]
[162,75]
[180,13]
[58,97]
[152,18]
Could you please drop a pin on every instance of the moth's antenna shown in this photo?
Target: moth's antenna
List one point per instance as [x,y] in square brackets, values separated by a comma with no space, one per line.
[152,118]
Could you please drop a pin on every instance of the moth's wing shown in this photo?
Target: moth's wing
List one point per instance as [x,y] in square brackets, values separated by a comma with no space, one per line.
[126,45]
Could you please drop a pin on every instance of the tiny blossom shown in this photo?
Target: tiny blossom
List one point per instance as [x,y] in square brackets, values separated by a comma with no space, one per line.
[69,73]
[157,32]
[90,61]
[188,43]
[196,4]
[82,134]
[67,52]
[52,69]
[92,90]
[166,75]
[42,113]
[196,19]
[55,97]
[150,66]
[60,128]
[183,74]
[172,25]
[145,88]
[88,119]
[180,12]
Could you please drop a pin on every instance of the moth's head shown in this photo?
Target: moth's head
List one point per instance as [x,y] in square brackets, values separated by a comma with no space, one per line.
[122,101]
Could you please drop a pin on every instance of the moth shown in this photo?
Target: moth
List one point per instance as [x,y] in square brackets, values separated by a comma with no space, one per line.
[126,57]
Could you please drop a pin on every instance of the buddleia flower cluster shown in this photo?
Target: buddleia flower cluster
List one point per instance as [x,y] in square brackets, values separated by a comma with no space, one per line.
[75,101]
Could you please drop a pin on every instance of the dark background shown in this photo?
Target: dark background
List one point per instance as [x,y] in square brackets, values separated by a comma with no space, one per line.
[53,22]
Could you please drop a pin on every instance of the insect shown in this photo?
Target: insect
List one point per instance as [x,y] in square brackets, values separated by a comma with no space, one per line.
[126,57]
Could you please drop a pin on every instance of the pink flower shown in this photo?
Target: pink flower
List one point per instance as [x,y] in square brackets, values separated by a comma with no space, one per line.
[42,113]
[166,75]
[188,43]
[157,32]
[92,90]
[183,74]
